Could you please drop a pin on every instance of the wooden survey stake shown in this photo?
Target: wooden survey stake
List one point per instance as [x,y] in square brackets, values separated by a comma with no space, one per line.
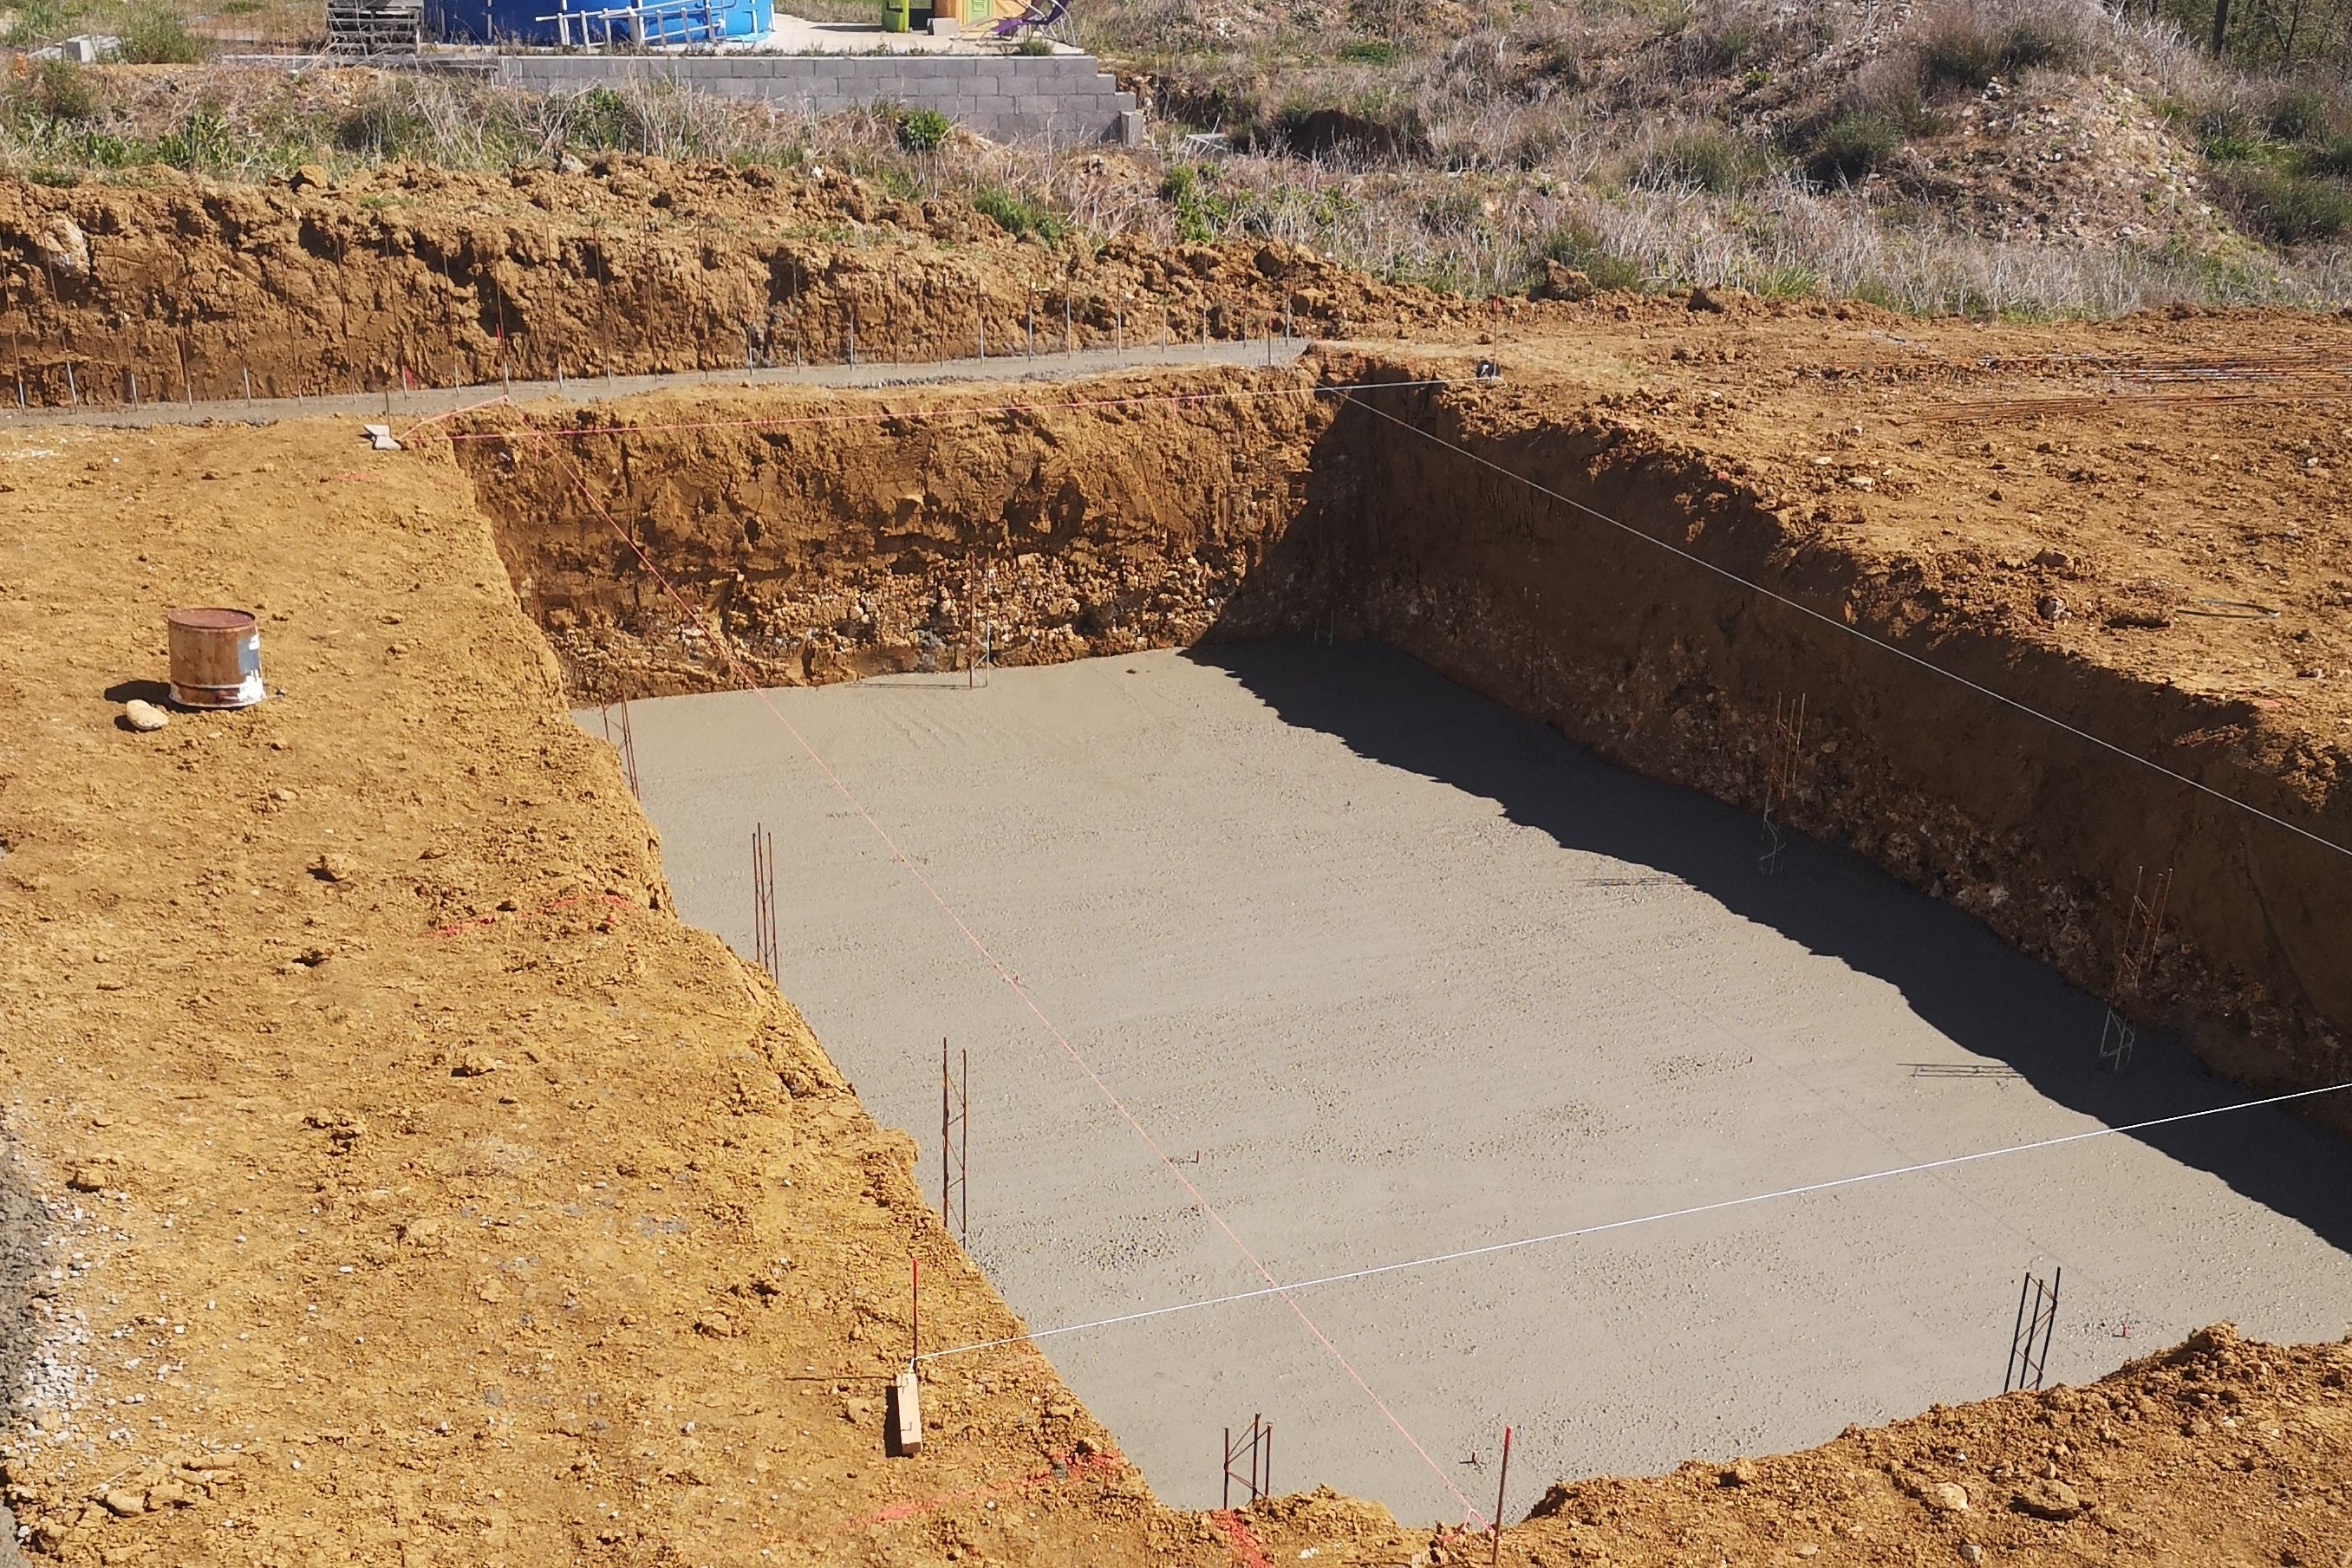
[909,1413]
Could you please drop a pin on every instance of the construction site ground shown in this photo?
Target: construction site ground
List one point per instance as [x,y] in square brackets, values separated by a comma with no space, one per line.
[1392,973]
[403,1180]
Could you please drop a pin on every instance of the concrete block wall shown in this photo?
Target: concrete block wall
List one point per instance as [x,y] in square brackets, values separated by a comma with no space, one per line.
[1006,98]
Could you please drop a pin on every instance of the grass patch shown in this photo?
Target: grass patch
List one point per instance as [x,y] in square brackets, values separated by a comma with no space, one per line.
[386,126]
[1963,46]
[1018,217]
[1709,160]
[1200,213]
[1368,52]
[2289,206]
[2298,115]
[39,21]
[152,36]
[201,145]
[2332,159]
[1577,244]
[1851,146]
[61,90]
[2228,136]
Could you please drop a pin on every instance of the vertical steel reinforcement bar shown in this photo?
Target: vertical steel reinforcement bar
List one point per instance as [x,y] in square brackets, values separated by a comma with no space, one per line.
[955,1146]
[2029,1341]
[763,903]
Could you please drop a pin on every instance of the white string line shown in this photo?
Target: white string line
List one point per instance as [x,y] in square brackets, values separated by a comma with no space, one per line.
[1717,1206]
[1854,631]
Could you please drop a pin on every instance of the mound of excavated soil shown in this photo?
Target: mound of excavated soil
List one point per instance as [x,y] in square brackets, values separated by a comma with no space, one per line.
[402,276]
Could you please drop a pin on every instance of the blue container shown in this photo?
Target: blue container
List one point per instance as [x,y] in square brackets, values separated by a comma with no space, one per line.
[600,23]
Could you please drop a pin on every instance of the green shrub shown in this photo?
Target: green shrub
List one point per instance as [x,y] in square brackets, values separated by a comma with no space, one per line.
[64,90]
[383,125]
[1711,160]
[201,144]
[104,150]
[1850,146]
[1962,48]
[155,37]
[1018,217]
[2290,208]
[1725,47]
[2032,45]
[1961,57]
[2227,135]
[2297,115]
[922,129]
[1576,244]
[1456,210]
[1790,281]
[2332,159]
[1200,213]
[39,21]
[601,119]
[1368,52]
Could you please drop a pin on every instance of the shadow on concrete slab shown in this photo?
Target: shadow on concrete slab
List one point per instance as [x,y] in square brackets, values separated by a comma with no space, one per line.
[1985,997]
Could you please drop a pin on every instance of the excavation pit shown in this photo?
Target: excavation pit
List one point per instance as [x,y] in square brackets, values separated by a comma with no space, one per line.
[1390,972]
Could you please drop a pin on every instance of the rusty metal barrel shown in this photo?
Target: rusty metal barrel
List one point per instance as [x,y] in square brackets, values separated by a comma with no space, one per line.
[216,658]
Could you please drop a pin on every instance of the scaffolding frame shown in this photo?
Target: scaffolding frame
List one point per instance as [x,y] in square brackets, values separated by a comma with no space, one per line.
[374,27]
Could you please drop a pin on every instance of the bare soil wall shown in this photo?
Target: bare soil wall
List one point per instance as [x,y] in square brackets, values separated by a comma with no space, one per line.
[839,536]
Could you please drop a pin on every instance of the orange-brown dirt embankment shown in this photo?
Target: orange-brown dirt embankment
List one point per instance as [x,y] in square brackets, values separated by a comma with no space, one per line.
[419,1191]
[2012,524]
[836,535]
[403,274]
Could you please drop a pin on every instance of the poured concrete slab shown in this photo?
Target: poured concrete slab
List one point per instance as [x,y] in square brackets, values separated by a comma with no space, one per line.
[1389,973]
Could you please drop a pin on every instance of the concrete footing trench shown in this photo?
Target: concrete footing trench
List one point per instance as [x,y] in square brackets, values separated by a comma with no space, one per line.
[1391,972]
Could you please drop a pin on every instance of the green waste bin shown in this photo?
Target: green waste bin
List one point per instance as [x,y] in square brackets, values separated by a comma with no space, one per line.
[896,14]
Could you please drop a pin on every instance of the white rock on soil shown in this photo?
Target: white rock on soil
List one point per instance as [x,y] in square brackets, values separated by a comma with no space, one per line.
[144,716]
